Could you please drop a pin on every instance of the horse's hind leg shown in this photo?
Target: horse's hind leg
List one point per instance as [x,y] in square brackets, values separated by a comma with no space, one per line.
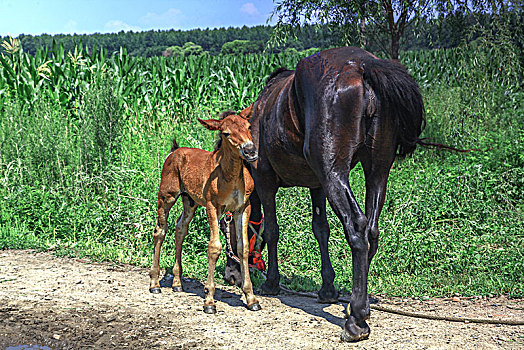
[214,248]
[241,223]
[180,233]
[354,222]
[377,158]
[328,293]
[165,202]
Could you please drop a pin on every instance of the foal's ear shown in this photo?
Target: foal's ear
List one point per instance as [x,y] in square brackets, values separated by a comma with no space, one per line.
[211,124]
[246,113]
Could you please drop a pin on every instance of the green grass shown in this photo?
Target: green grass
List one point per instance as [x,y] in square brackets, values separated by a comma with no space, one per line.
[79,174]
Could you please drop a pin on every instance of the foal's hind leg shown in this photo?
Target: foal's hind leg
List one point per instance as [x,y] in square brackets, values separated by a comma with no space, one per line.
[180,233]
[214,248]
[164,206]
[328,293]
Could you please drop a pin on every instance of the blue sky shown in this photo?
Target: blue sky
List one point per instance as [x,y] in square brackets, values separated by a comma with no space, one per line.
[108,16]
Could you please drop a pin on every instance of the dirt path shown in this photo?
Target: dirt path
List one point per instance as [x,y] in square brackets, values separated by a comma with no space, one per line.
[67,303]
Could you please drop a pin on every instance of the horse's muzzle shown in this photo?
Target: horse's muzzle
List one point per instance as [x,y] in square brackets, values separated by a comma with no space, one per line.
[249,151]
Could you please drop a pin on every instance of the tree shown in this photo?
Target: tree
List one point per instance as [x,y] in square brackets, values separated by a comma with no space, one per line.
[192,49]
[239,47]
[377,19]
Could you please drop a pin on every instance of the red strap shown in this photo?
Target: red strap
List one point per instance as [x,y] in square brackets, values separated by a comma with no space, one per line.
[252,243]
[256,257]
[258,262]
[257,223]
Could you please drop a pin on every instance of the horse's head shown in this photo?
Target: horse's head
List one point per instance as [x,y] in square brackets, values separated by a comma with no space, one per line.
[235,133]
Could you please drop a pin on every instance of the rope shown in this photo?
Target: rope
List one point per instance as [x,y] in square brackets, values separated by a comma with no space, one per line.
[254,247]
[229,250]
[415,314]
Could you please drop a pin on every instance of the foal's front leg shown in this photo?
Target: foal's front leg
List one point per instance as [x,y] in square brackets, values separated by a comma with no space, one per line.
[214,248]
[241,218]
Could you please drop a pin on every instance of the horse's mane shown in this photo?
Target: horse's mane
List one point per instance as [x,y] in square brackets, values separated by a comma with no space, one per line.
[222,115]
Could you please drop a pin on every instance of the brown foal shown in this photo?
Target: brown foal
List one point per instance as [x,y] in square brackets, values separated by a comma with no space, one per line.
[218,181]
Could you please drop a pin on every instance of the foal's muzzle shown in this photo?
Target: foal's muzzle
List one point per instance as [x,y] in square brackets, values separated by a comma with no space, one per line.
[249,151]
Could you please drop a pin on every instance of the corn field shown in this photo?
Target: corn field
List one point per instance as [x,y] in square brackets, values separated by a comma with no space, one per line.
[180,84]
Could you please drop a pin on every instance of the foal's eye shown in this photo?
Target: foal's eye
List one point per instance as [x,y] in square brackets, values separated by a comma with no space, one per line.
[226,134]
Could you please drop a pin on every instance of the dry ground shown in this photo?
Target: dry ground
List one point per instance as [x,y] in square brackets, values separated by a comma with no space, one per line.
[68,303]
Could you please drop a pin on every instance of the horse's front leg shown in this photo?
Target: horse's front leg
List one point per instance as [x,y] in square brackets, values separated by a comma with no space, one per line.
[214,248]
[241,218]
[328,293]
[267,189]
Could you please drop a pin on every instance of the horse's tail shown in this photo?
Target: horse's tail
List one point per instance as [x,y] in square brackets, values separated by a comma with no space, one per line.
[175,145]
[399,94]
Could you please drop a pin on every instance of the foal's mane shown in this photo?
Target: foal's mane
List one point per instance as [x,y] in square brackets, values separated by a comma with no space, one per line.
[222,115]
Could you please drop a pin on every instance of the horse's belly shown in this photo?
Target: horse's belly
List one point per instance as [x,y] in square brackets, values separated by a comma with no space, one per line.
[293,170]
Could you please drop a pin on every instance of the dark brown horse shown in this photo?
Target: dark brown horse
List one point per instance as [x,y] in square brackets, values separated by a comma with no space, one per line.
[218,181]
[311,126]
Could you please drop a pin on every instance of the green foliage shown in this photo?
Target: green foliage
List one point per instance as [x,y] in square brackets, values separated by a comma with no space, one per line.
[241,47]
[82,144]
[189,49]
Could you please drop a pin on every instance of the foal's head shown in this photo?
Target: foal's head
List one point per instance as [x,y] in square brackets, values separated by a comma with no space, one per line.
[235,133]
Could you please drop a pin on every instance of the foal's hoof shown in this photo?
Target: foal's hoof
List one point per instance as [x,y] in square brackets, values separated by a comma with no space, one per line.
[354,332]
[270,288]
[178,289]
[155,290]
[254,307]
[210,309]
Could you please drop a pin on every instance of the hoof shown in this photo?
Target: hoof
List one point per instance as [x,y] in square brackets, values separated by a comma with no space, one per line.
[327,298]
[270,289]
[353,332]
[211,309]
[178,289]
[155,290]
[232,274]
[254,307]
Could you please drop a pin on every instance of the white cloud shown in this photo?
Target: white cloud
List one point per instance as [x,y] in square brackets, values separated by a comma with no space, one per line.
[116,25]
[168,19]
[250,9]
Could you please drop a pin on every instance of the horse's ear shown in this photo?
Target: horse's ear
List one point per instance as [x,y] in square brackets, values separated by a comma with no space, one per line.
[211,124]
[246,113]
